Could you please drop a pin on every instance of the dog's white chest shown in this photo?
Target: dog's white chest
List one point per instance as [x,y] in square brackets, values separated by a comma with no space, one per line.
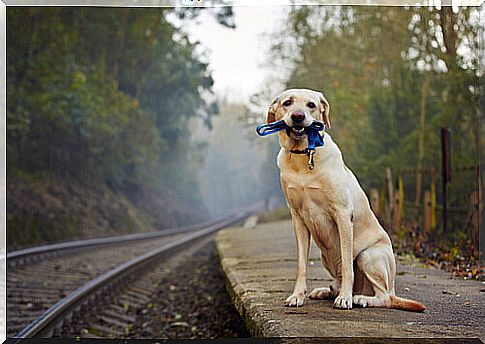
[308,198]
[303,190]
[300,196]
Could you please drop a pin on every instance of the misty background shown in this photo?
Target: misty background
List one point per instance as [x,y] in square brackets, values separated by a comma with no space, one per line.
[123,120]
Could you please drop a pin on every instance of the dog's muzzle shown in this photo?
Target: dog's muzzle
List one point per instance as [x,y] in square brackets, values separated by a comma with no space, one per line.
[311,131]
[298,130]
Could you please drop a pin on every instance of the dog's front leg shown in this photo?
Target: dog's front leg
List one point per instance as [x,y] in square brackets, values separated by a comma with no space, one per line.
[302,235]
[345,229]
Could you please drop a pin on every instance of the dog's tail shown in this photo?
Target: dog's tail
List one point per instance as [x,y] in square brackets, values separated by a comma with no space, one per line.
[406,304]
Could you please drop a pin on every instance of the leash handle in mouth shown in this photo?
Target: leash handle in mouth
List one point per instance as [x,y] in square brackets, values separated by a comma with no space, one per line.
[312,131]
[314,137]
[271,128]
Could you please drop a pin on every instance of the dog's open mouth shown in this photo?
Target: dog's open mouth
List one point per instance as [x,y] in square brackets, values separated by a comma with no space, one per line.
[298,130]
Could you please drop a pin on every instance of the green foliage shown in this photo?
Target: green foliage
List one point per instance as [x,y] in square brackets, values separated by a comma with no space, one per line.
[105,94]
[372,63]
[279,214]
[393,76]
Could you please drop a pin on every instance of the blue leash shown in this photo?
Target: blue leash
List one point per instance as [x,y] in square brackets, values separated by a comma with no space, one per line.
[271,128]
[312,131]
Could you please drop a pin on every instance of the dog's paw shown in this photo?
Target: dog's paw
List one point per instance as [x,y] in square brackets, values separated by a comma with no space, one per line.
[295,300]
[343,302]
[372,301]
[361,300]
[320,293]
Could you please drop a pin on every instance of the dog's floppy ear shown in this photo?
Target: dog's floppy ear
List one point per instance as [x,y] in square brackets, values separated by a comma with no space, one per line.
[325,110]
[271,117]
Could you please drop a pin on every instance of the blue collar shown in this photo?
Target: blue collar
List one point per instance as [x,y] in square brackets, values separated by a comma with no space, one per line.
[312,132]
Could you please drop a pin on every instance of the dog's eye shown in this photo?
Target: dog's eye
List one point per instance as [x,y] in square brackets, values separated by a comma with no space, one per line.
[287,103]
[311,105]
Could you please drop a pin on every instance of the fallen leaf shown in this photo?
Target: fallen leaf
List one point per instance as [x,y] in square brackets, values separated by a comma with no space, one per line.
[449,292]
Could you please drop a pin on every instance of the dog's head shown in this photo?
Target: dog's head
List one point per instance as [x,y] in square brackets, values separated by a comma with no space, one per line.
[299,108]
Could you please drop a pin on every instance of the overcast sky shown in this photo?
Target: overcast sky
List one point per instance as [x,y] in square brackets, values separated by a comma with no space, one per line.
[236,55]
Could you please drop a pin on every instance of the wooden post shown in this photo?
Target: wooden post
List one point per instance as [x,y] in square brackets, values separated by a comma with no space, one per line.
[396,216]
[475,212]
[427,216]
[390,195]
[422,120]
[382,202]
[400,189]
[433,199]
[473,220]
[398,205]
[374,201]
[446,171]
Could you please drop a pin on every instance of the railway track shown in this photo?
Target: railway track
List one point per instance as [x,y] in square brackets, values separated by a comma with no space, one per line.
[35,254]
[51,289]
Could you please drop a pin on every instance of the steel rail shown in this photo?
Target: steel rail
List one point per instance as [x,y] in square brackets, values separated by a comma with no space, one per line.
[56,313]
[27,253]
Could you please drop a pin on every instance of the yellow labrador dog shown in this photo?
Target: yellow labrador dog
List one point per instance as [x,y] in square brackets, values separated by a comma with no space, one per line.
[328,204]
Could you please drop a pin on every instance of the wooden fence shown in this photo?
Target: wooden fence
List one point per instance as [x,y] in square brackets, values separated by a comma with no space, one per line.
[399,200]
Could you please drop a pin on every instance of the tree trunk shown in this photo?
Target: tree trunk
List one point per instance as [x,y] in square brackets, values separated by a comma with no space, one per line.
[422,122]
[447,21]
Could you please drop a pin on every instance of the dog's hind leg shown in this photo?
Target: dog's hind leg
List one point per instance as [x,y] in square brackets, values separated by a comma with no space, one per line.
[325,292]
[378,265]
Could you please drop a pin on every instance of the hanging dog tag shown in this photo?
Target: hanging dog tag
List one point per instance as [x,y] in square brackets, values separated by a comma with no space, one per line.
[311,164]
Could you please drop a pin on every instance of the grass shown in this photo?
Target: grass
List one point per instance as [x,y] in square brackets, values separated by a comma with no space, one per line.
[279,214]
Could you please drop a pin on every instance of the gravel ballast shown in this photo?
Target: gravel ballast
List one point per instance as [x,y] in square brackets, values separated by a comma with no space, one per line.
[191,302]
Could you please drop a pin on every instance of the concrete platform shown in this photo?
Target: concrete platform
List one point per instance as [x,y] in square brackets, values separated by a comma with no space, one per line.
[260,263]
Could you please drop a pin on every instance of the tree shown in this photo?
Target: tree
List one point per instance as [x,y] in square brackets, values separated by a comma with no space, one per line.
[105,96]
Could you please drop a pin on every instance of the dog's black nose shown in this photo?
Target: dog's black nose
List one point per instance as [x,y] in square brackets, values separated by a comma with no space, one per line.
[297,117]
